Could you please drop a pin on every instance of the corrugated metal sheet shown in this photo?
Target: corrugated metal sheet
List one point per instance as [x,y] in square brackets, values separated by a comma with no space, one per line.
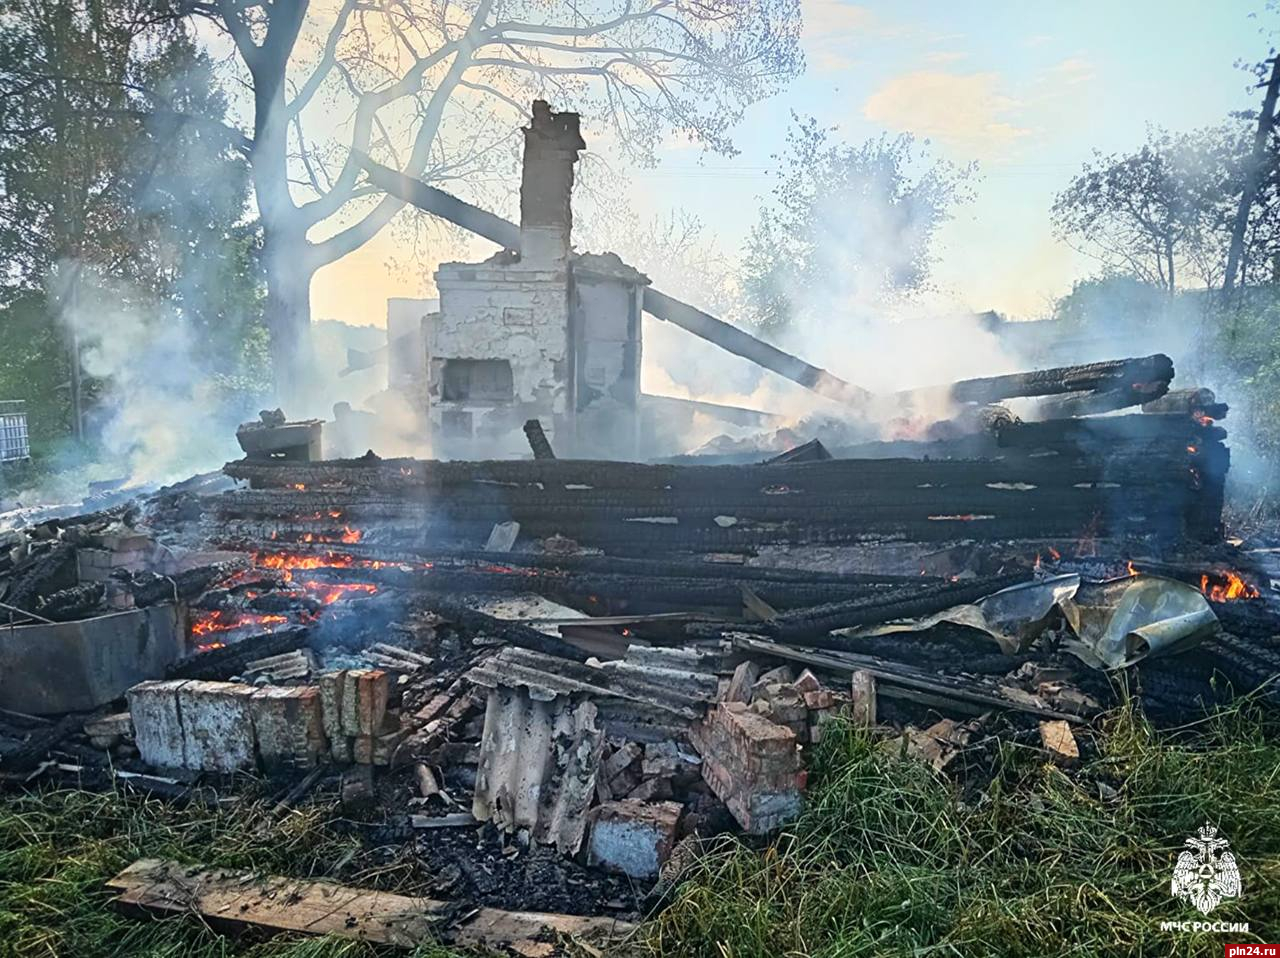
[538,761]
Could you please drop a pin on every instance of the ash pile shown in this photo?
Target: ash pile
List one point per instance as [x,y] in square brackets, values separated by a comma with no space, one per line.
[544,677]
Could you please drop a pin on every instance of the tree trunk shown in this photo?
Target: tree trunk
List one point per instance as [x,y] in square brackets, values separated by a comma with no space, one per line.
[288,318]
[1252,179]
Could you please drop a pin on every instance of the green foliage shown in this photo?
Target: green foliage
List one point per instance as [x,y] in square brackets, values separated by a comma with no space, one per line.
[1246,336]
[1163,213]
[890,859]
[115,169]
[846,223]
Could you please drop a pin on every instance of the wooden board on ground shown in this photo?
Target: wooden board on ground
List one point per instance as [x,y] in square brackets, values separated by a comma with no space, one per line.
[240,898]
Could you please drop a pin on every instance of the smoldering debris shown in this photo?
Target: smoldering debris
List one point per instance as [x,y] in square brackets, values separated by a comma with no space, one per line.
[677,639]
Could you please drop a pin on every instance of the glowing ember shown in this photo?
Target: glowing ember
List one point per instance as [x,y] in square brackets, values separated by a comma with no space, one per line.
[300,487]
[221,620]
[1054,553]
[330,592]
[350,536]
[1132,570]
[1226,587]
[1201,418]
[285,560]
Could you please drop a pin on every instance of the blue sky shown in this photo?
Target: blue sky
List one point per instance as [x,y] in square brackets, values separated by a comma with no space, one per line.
[1027,89]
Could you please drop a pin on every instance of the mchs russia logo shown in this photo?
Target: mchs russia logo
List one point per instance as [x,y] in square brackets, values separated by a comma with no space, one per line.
[1206,873]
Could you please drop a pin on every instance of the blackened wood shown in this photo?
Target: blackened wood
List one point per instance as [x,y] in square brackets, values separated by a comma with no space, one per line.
[1065,379]
[1110,432]
[811,451]
[538,441]
[148,588]
[77,602]
[813,624]
[513,633]
[1181,401]
[220,664]
[1099,401]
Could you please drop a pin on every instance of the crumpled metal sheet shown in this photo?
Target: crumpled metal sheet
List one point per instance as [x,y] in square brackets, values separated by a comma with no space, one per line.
[1123,621]
[1014,617]
[1116,623]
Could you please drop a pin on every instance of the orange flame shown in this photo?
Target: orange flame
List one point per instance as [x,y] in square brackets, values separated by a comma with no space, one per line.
[1226,587]
[330,592]
[220,620]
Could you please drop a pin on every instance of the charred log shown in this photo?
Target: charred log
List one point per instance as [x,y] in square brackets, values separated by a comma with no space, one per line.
[1092,377]
[538,441]
[220,664]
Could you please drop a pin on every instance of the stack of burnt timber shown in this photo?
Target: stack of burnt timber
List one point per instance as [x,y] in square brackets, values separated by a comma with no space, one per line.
[1155,472]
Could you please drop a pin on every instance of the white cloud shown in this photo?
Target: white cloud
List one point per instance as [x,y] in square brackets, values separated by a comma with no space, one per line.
[834,30]
[1071,71]
[965,112]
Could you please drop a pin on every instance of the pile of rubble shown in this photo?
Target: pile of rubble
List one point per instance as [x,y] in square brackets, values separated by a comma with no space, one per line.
[547,719]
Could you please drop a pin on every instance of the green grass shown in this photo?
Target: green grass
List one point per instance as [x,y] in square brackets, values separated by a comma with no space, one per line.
[888,859]
[57,848]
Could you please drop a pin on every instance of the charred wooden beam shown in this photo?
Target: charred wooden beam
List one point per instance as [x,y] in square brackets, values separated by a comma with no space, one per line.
[222,663]
[513,633]
[538,441]
[813,625]
[1185,401]
[76,602]
[1092,377]
[1112,431]
[1100,401]
[405,478]
[734,340]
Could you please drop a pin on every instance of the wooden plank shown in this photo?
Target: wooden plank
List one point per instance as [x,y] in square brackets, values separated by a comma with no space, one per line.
[236,898]
[910,683]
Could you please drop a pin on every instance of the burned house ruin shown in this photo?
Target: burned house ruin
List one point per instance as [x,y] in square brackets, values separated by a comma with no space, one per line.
[578,659]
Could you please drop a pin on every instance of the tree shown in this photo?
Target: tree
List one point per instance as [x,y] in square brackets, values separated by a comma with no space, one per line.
[1255,170]
[97,182]
[1166,213]
[846,222]
[438,88]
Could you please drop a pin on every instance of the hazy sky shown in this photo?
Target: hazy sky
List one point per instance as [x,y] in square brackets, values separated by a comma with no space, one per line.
[1028,89]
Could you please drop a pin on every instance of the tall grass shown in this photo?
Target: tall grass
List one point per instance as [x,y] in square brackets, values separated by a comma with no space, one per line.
[888,860]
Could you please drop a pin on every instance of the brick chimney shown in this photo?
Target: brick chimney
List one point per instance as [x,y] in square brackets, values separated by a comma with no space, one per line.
[551,145]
